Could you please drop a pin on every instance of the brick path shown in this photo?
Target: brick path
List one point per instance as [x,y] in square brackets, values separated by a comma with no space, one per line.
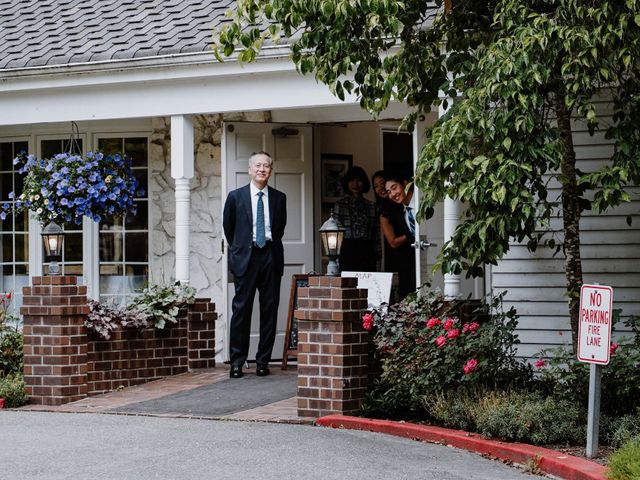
[284,411]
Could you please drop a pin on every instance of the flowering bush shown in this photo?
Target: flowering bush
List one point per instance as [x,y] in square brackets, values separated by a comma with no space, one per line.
[11,339]
[426,348]
[67,187]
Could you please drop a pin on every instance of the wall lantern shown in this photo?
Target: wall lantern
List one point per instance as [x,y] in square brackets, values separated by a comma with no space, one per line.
[53,238]
[332,234]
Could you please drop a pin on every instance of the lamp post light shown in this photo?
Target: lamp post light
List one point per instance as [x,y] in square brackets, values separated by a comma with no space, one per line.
[53,238]
[332,234]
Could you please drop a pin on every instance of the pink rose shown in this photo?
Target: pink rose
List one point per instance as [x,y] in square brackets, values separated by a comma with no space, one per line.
[440,341]
[433,322]
[448,323]
[453,333]
[367,321]
[470,366]
[540,363]
[612,349]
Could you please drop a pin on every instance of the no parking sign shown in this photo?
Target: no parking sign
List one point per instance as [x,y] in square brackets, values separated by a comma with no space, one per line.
[594,329]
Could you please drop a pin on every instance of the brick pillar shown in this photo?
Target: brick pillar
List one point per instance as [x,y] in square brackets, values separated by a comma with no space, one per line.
[332,346]
[55,340]
[202,334]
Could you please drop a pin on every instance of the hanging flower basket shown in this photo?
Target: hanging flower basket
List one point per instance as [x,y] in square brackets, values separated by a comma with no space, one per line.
[68,186]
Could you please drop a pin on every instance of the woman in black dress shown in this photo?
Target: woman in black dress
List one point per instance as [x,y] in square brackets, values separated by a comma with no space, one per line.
[398,227]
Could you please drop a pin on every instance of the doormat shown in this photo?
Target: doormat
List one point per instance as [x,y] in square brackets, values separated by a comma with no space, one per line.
[221,398]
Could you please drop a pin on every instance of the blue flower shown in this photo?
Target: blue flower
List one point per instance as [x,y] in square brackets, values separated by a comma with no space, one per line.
[12,195]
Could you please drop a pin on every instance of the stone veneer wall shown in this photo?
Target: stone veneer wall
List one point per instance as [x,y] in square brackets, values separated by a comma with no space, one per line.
[206,206]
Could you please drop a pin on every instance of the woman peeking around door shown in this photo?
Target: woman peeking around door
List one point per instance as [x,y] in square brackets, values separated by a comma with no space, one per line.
[398,228]
[361,245]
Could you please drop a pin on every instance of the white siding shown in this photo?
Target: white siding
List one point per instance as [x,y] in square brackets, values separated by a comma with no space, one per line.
[610,256]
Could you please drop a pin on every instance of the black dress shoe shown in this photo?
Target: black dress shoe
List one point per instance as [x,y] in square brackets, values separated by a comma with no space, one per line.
[236,371]
[262,370]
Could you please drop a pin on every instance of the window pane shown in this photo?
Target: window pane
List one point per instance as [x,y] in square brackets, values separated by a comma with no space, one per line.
[7,248]
[109,146]
[7,270]
[72,270]
[136,148]
[136,247]
[6,184]
[143,181]
[49,148]
[136,277]
[140,220]
[20,147]
[111,247]
[72,247]
[22,221]
[111,223]
[6,156]
[112,285]
[22,248]
[22,269]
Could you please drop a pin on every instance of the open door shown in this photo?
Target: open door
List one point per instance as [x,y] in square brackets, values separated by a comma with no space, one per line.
[291,148]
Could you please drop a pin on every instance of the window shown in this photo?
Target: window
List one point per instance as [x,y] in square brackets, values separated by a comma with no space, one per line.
[14,255]
[124,242]
[72,254]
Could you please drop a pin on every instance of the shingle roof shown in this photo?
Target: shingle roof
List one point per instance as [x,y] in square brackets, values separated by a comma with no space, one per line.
[36,33]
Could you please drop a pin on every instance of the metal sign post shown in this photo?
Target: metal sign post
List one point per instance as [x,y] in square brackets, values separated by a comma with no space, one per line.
[594,346]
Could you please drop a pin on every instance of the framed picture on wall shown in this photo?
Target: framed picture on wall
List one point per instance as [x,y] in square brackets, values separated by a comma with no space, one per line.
[333,169]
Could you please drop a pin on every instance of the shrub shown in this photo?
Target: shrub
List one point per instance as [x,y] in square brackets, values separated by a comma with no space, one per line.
[426,349]
[11,351]
[616,431]
[527,417]
[624,464]
[565,377]
[13,391]
[157,304]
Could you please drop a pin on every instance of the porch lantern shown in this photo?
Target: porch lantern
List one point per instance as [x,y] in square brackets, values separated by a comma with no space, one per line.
[332,234]
[53,238]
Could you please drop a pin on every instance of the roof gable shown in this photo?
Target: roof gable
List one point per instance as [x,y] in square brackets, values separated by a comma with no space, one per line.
[36,33]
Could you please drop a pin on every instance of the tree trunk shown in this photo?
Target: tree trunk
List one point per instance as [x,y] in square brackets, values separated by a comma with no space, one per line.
[571,217]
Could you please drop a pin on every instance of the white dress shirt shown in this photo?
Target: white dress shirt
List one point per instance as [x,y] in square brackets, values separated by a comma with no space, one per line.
[254,210]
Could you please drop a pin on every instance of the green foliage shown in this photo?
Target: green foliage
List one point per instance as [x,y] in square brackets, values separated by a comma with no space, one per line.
[526,417]
[563,376]
[615,431]
[425,348]
[11,339]
[13,391]
[161,303]
[156,305]
[624,464]
[521,70]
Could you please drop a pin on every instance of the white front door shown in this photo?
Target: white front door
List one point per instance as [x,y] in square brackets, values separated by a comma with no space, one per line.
[291,149]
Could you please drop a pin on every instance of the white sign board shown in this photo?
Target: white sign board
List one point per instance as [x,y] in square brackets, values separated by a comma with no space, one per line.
[378,285]
[594,328]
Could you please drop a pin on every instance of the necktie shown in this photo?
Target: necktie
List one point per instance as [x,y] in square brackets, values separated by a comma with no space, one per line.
[261,238]
[412,221]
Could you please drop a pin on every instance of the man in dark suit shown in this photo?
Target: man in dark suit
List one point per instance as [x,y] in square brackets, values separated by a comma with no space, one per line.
[254,219]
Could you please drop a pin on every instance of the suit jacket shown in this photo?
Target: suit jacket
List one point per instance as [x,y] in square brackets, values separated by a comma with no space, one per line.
[237,221]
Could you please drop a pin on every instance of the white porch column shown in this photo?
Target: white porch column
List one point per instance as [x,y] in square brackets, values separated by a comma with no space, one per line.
[452,211]
[182,166]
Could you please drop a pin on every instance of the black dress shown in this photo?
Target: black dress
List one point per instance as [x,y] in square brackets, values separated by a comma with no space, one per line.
[403,258]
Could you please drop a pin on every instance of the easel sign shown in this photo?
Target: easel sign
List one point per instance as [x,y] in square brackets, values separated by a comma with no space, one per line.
[378,285]
[291,335]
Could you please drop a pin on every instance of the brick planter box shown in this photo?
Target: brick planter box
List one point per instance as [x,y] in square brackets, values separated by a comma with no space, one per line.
[64,363]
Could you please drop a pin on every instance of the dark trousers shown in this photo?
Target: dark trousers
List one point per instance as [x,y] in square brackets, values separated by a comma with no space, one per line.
[262,276]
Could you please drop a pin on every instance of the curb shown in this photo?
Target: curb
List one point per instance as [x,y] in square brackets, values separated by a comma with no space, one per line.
[549,461]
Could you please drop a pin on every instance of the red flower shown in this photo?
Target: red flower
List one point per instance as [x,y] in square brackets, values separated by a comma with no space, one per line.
[440,341]
[453,333]
[367,321]
[9,295]
[448,323]
[540,363]
[433,322]
[613,347]
[470,366]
